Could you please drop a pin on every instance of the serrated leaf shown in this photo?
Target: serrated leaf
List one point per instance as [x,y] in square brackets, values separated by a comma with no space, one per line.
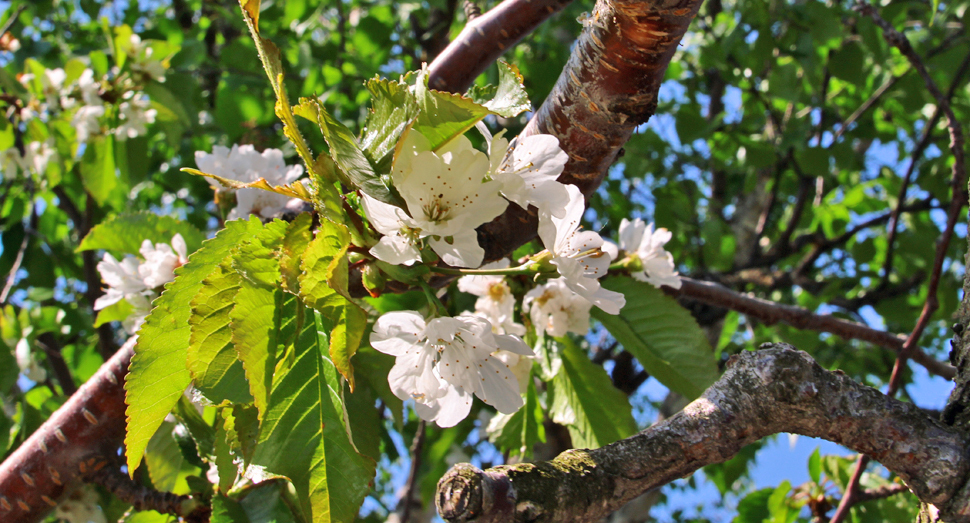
[125,233]
[355,168]
[585,400]
[242,429]
[213,361]
[518,432]
[323,287]
[444,116]
[257,311]
[226,510]
[304,419]
[374,366]
[158,375]
[508,98]
[293,190]
[393,109]
[98,168]
[251,8]
[203,435]
[295,241]
[223,458]
[662,336]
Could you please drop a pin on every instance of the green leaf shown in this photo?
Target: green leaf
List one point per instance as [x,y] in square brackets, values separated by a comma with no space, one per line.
[160,95]
[393,109]
[518,432]
[242,429]
[98,168]
[119,311]
[304,419]
[815,466]
[295,241]
[323,286]
[213,361]
[584,399]
[754,507]
[158,375]
[373,367]
[164,459]
[355,167]
[225,510]
[509,98]
[125,233]
[223,458]
[257,316]
[662,336]
[444,116]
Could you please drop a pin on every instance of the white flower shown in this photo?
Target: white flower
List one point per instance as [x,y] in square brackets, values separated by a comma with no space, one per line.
[135,115]
[447,197]
[640,240]
[81,506]
[141,60]
[53,82]
[555,308]
[87,121]
[141,305]
[439,363]
[246,164]
[90,88]
[11,163]
[495,301]
[39,154]
[122,279]
[28,365]
[528,176]
[577,254]
[161,260]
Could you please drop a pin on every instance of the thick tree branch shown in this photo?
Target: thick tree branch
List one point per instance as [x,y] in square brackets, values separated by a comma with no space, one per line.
[72,443]
[770,313]
[776,389]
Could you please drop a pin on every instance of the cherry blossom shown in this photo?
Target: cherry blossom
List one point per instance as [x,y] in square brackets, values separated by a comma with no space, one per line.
[246,164]
[495,301]
[161,260]
[11,163]
[142,62]
[135,115]
[556,309]
[90,88]
[577,254]
[27,363]
[447,197]
[528,170]
[122,279]
[642,241]
[441,362]
[87,121]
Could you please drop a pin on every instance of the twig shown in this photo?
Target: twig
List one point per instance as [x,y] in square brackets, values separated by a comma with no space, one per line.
[19,260]
[880,493]
[472,11]
[775,389]
[769,313]
[417,446]
[13,19]
[865,107]
[56,359]
[141,497]
[851,496]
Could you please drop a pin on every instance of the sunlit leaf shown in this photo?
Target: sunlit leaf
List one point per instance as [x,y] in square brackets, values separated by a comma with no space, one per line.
[158,375]
[662,335]
[293,190]
[124,233]
[508,98]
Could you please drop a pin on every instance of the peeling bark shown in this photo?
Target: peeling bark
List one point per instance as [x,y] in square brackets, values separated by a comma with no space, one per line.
[775,389]
[73,443]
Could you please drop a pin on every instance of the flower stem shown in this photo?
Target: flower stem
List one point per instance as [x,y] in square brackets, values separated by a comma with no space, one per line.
[509,271]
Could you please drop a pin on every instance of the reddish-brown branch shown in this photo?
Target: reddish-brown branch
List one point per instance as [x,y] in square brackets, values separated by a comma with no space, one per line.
[485,38]
[770,313]
[72,443]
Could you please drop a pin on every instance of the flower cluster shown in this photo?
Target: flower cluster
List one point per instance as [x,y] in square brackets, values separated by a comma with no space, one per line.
[246,164]
[442,362]
[137,281]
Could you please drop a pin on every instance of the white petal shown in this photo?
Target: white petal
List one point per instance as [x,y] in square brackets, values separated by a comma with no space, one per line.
[395,332]
[386,218]
[396,250]
[462,251]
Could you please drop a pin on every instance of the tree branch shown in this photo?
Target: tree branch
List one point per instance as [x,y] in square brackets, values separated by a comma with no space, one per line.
[776,389]
[770,313]
[72,443]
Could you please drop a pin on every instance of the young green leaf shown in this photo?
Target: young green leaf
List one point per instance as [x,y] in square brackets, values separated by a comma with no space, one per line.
[662,336]
[508,98]
[584,399]
[257,311]
[323,286]
[213,361]
[295,241]
[444,116]
[158,375]
[125,233]
[293,190]
[393,109]
[303,437]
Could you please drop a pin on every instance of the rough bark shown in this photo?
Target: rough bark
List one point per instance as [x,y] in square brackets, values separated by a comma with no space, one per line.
[608,88]
[68,446]
[775,389]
